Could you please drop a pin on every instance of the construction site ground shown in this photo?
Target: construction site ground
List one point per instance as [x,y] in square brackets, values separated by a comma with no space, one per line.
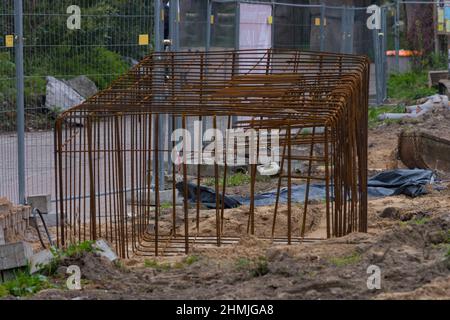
[408,239]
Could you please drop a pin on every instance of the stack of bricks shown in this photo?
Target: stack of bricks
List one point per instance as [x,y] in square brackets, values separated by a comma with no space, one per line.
[14,220]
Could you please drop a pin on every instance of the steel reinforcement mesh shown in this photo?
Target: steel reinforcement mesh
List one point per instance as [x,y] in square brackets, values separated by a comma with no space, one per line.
[108,150]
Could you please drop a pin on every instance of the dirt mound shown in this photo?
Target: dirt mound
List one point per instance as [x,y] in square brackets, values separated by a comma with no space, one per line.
[438,289]
[383,138]
[93,267]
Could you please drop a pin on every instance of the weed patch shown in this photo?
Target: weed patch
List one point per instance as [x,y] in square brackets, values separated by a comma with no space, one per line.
[346,260]
[191,259]
[420,221]
[24,284]
[153,264]
[409,86]
[256,268]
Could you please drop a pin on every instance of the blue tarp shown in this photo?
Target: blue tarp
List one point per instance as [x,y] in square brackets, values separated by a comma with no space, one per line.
[388,183]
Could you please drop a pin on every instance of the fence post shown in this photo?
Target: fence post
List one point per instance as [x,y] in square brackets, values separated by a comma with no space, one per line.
[174,21]
[208,26]
[237,27]
[20,99]
[397,36]
[383,52]
[174,16]
[159,35]
[322,28]
[376,45]
[272,27]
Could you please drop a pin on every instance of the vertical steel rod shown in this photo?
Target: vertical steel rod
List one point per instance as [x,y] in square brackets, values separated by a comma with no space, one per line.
[20,96]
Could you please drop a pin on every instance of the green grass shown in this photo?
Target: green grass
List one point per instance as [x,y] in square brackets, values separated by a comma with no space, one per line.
[242,263]
[345,260]
[3,291]
[419,221]
[260,268]
[256,268]
[166,205]
[409,86]
[191,259]
[153,264]
[165,266]
[438,61]
[235,180]
[24,284]
[375,112]
[79,248]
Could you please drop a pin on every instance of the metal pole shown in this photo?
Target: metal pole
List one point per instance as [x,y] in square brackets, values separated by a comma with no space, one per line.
[157,26]
[383,52]
[322,28]
[174,14]
[207,49]
[272,27]
[175,37]
[18,27]
[376,45]
[237,29]
[208,26]
[237,44]
[161,123]
[436,37]
[174,19]
[397,36]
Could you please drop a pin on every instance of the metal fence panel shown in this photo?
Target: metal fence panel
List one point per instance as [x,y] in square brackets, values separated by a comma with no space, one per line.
[296,27]
[114,35]
[63,67]
[8,139]
[224,25]
[193,23]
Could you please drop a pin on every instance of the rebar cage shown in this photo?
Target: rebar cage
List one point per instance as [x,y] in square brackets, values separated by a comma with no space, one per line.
[108,149]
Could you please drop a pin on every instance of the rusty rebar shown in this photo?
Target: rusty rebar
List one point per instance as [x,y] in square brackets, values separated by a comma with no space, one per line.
[107,148]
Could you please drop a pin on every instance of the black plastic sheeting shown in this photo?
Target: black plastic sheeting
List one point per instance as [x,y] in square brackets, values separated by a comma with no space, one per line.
[207,196]
[388,183]
[401,181]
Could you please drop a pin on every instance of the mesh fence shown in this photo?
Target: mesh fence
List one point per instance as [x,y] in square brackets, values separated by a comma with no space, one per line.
[223,28]
[62,68]
[8,141]
[288,24]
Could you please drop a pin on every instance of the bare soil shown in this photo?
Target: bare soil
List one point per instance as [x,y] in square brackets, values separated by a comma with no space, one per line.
[408,239]
[411,257]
